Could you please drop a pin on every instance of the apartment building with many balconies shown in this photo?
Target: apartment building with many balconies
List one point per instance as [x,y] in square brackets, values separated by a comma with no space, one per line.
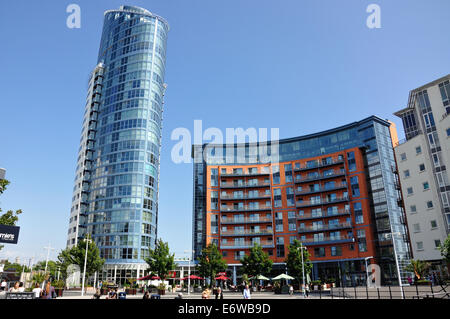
[335,191]
[423,159]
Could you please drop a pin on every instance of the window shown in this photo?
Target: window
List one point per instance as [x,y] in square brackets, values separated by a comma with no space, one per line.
[426,186]
[418,150]
[279,222]
[433,224]
[355,186]
[448,132]
[437,243]
[362,244]
[403,156]
[406,173]
[351,161]
[419,245]
[429,204]
[421,167]
[413,209]
[336,251]
[357,208]
[319,252]
[416,228]
[280,247]
[409,190]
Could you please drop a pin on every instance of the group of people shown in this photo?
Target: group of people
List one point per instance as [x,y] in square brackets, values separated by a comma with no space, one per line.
[48,292]
[433,278]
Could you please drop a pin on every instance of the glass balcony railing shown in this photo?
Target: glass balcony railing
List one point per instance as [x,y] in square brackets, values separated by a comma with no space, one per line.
[246,196]
[235,174]
[329,227]
[322,240]
[319,164]
[247,220]
[334,213]
[245,244]
[315,177]
[322,201]
[245,208]
[321,189]
[247,232]
[243,184]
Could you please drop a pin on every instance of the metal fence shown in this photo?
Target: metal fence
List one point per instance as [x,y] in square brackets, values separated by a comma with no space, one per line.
[392,292]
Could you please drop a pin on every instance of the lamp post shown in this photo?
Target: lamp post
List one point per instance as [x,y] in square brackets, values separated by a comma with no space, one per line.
[189,270]
[46,261]
[85,262]
[303,269]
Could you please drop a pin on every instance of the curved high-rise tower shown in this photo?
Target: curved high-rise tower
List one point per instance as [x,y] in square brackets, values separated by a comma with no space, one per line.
[116,185]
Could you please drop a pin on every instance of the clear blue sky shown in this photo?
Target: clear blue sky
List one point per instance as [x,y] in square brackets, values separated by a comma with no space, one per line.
[302,66]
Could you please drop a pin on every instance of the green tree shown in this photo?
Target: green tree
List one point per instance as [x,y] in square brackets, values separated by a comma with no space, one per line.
[9,218]
[294,261]
[418,267]
[52,267]
[211,262]
[445,249]
[257,262]
[160,261]
[76,256]
[18,268]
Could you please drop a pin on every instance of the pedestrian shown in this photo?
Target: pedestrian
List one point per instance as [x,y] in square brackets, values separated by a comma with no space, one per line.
[180,296]
[307,291]
[247,292]
[97,294]
[219,293]
[146,295]
[416,279]
[21,287]
[409,280]
[37,291]
[291,290]
[15,288]
[3,285]
[49,291]
[205,293]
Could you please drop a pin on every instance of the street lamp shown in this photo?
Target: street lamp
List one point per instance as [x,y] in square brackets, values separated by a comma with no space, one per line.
[85,262]
[189,270]
[303,268]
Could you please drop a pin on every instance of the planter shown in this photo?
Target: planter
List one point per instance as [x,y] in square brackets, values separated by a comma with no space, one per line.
[161,292]
[59,292]
[130,291]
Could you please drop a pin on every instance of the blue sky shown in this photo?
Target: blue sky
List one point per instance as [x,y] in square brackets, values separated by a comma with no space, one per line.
[301,66]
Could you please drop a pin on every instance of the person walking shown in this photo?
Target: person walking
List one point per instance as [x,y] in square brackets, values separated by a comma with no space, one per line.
[247,292]
[307,291]
[21,287]
[146,295]
[219,293]
[49,291]
[15,288]
[291,290]
[3,285]
[37,291]
[409,280]
[97,294]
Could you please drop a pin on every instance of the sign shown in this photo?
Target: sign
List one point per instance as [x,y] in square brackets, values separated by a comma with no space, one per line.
[9,234]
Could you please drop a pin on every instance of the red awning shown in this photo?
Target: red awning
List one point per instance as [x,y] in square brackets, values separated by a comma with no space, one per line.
[222,278]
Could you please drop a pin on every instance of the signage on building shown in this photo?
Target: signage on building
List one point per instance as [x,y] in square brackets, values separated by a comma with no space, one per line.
[9,234]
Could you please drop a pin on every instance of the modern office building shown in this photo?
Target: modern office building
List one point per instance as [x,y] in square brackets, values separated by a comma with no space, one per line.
[2,173]
[423,158]
[335,191]
[115,197]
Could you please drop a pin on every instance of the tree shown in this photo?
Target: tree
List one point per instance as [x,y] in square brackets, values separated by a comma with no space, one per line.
[9,218]
[52,267]
[160,261]
[294,261]
[418,267]
[76,256]
[257,262]
[211,262]
[445,249]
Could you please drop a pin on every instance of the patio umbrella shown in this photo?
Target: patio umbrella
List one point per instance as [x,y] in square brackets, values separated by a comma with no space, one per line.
[192,277]
[259,277]
[155,278]
[222,277]
[148,277]
[283,276]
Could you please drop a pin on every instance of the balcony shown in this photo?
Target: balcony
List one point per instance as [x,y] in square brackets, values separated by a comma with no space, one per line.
[317,177]
[244,185]
[245,244]
[319,228]
[321,189]
[319,164]
[247,232]
[327,240]
[245,208]
[232,197]
[244,174]
[323,201]
[325,214]
[247,220]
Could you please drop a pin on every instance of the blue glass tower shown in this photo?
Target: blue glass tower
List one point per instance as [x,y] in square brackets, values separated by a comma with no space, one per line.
[116,186]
